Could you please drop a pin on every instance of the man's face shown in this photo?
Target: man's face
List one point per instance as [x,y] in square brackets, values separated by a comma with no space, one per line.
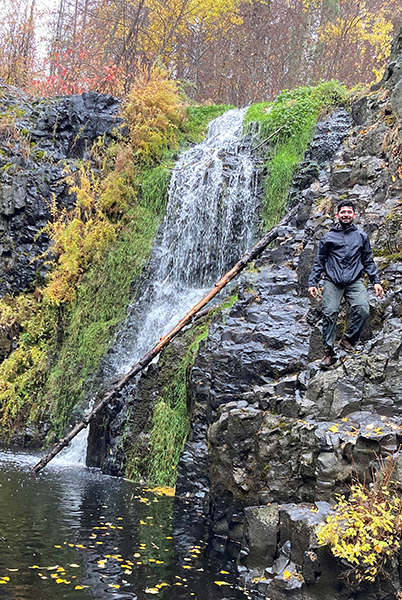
[346,215]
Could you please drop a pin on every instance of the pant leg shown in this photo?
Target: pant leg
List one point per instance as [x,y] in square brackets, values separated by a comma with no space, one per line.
[331,301]
[357,297]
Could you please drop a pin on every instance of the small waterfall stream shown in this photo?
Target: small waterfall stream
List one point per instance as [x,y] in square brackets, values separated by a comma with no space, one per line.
[210,221]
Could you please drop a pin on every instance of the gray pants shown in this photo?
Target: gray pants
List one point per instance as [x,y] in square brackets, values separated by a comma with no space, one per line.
[356,295]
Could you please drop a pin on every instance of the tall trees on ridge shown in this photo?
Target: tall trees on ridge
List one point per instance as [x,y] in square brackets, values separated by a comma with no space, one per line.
[221,50]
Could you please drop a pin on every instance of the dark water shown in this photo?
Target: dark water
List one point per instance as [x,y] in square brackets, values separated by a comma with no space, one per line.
[75,533]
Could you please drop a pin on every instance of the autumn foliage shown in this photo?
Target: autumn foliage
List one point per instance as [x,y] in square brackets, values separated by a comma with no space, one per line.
[223,51]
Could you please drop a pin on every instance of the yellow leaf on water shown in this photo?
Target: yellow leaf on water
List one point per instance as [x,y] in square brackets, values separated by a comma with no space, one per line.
[79,587]
[57,546]
[137,555]
[58,580]
[224,572]
[12,570]
[5,578]
[159,562]
[333,428]
[160,585]
[2,582]
[34,567]
[151,590]
[114,585]
[221,583]
[287,575]
[186,567]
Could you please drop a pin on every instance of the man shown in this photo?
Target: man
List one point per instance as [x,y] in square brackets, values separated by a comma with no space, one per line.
[344,254]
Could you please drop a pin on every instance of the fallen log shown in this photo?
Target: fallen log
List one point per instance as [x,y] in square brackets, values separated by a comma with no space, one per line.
[149,356]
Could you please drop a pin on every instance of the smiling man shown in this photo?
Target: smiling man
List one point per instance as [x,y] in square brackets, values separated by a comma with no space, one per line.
[343,255]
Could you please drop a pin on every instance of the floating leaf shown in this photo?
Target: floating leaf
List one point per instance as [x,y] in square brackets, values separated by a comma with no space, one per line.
[224,572]
[333,428]
[221,583]
[287,575]
[151,590]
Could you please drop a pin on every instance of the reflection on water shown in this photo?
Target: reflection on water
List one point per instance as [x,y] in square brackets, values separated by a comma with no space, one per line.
[74,533]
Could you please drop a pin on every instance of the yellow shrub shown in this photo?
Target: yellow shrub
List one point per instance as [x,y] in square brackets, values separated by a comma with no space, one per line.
[366,528]
[154,112]
[79,235]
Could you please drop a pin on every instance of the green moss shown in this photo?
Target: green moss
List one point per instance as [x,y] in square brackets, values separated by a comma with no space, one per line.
[50,368]
[290,120]
[171,419]
[198,119]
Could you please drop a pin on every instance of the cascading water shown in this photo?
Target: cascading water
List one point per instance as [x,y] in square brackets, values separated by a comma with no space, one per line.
[210,222]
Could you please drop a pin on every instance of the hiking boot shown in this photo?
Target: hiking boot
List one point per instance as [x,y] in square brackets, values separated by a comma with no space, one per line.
[328,360]
[346,345]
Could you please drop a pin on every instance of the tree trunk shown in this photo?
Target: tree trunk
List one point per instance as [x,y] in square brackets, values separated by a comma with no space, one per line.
[149,356]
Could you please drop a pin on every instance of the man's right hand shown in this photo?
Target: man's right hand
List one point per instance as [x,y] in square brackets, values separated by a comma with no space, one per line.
[313,291]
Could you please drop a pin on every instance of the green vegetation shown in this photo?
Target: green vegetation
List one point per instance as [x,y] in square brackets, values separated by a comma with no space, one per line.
[171,418]
[290,120]
[64,329]
[365,529]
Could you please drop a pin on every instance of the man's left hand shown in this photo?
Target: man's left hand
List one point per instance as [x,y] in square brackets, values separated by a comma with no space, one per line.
[379,290]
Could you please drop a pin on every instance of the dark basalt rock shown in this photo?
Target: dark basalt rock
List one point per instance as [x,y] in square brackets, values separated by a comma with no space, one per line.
[52,133]
[283,436]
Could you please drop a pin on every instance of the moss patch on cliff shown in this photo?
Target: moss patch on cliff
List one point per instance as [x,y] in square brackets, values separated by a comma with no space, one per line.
[170,424]
[289,122]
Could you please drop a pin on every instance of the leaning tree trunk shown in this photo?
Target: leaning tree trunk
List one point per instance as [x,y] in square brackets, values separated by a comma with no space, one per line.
[149,356]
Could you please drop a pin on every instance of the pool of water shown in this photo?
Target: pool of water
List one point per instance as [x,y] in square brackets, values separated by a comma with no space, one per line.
[72,532]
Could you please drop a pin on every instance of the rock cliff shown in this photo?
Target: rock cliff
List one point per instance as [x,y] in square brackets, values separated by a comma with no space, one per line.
[278,437]
[37,140]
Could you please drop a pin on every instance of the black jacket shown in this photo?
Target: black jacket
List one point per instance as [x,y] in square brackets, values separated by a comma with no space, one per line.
[344,254]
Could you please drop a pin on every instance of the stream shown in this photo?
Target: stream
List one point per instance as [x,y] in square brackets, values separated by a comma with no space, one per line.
[72,532]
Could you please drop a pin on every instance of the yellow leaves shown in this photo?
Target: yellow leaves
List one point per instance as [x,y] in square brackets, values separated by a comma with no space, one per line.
[153,113]
[153,590]
[333,429]
[287,575]
[80,236]
[163,491]
[220,583]
[362,528]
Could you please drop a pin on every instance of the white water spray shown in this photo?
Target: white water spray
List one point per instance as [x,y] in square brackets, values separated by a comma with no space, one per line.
[210,222]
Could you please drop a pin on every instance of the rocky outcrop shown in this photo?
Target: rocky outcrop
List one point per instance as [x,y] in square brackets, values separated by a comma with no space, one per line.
[282,436]
[37,141]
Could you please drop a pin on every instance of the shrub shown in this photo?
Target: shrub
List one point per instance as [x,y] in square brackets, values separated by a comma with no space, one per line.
[365,529]
[154,113]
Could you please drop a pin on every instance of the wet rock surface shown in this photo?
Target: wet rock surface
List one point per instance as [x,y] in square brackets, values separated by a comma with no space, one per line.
[37,141]
[283,437]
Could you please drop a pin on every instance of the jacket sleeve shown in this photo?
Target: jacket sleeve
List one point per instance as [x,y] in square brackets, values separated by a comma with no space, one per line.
[319,264]
[368,263]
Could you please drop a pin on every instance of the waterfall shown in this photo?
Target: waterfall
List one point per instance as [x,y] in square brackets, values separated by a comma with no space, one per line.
[210,222]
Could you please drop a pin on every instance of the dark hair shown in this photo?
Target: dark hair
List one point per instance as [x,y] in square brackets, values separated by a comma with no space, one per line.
[346,203]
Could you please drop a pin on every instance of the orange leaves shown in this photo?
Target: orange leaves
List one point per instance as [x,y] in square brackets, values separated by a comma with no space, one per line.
[154,112]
